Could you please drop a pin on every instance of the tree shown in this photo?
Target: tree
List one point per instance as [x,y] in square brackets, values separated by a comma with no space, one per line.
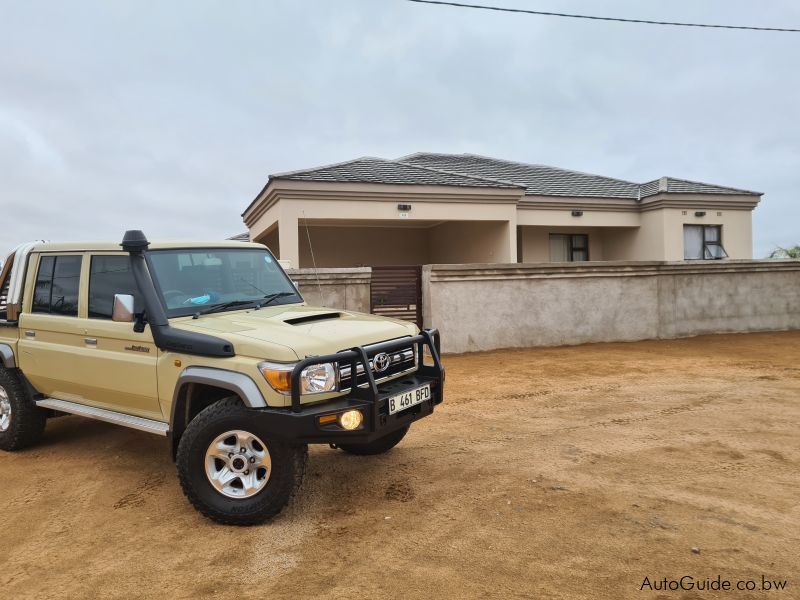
[780,252]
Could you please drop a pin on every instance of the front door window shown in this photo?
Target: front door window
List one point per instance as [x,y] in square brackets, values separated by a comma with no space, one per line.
[108,276]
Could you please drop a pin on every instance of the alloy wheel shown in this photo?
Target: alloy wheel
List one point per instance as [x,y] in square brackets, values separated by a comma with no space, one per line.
[238,464]
[5,410]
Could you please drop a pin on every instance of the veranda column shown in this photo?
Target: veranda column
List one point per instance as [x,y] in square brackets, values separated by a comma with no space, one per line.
[289,239]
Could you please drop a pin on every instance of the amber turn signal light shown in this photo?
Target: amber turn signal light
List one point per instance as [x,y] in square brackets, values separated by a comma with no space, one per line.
[279,378]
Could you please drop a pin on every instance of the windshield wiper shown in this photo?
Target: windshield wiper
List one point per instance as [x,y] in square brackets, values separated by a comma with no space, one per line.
[257,303]
[223,306]
[270,297]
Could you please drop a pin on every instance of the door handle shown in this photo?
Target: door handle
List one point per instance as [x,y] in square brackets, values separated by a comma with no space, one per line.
[90,341]
[30,334]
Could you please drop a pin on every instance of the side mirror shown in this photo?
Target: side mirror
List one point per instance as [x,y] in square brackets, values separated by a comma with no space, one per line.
[123,308]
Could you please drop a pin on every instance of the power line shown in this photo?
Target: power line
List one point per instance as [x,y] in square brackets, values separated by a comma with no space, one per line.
[595,18]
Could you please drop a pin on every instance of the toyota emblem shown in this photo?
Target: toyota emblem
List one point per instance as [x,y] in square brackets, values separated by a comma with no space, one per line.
[381,362]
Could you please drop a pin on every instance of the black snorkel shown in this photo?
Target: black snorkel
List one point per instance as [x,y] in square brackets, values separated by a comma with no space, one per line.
[135,243]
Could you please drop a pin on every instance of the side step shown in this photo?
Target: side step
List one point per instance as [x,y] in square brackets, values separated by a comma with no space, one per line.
[109,416]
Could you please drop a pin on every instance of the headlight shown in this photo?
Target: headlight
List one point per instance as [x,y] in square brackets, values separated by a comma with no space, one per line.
[314,379]
[318,379]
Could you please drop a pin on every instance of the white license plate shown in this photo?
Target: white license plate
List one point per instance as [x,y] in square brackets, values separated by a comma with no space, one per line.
[409,398]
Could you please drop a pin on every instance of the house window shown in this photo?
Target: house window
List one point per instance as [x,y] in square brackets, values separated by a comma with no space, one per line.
[57,284]
[569,247]
[703,242]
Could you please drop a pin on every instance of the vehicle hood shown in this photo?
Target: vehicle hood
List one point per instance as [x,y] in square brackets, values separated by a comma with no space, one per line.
[306,330]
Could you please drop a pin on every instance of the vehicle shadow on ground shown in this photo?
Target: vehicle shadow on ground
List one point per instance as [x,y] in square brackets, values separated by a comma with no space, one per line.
[336,482]
[89,434]
[333,478]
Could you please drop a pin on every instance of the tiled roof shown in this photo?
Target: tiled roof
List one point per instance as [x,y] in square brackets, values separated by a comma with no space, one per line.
[671,185]
[539,180]
[378,170]
[471,170]
[650,188]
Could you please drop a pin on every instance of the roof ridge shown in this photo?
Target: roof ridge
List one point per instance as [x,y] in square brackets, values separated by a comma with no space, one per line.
[320,167]
[378,159]
[413,154]
[460,174]
[525,164]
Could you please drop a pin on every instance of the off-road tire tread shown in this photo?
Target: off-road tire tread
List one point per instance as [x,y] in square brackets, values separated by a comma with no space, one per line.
[288,487]
[379,446]
[27,420]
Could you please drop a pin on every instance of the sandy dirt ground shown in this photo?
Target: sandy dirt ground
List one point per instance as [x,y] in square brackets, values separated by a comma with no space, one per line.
[548,473]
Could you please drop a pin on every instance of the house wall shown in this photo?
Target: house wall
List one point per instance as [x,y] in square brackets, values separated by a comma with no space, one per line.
[589,218]
[737,230]
[265,225]
[618,229]
[562,304]
[472,242]
[535,242]
[272,241]
[364,246]
[645,242]
[377,205]
[618,243]
[659,236]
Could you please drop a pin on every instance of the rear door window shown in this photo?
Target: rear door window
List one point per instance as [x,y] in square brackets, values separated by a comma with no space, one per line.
[57,285]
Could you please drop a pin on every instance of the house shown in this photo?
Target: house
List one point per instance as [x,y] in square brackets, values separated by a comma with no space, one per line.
[463,208]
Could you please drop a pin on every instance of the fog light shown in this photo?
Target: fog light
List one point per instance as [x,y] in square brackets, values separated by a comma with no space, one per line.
[352,419]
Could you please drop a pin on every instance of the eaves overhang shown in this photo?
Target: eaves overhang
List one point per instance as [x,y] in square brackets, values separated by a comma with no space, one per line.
[531,202]
[711,201]
[280,189]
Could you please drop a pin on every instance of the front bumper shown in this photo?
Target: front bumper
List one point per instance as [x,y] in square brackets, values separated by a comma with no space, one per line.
[300,424]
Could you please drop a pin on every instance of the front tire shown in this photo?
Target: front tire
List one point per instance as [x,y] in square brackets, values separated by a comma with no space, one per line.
[21,421]
[379,446]
[231,471]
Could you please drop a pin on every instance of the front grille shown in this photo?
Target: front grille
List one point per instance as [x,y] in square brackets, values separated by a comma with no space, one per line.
[402,361]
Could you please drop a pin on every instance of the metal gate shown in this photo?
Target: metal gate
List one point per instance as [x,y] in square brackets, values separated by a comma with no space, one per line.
[397,292]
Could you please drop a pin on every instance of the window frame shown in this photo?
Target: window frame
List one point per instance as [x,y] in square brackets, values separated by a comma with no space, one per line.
[706,242]
[80,296]
[90,257]
[36,278]
[572,247]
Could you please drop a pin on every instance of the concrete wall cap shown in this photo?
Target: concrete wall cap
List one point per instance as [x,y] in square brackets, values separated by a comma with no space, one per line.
[603,269]
[332,276]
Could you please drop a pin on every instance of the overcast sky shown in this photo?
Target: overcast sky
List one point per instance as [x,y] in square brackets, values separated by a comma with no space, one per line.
[168,116]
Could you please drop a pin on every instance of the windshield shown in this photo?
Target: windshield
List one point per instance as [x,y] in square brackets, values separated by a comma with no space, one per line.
[194,280]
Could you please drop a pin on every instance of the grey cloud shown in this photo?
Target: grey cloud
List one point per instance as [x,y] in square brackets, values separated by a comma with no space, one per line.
[169,116]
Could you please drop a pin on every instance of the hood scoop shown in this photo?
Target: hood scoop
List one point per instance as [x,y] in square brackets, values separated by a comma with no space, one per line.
[312,318]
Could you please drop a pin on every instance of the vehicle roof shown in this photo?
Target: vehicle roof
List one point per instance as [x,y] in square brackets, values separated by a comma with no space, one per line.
[116,247]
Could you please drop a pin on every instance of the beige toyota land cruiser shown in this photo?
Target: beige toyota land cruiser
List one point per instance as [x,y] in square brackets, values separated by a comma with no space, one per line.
[211,345]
